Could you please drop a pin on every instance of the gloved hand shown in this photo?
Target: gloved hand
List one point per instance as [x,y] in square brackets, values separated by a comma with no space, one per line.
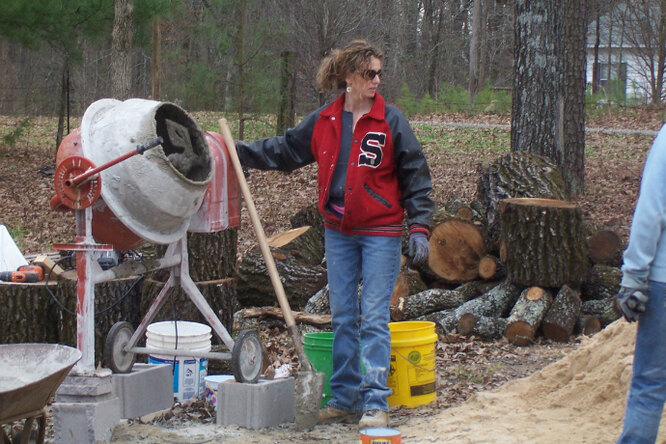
[632,302]
[419,248]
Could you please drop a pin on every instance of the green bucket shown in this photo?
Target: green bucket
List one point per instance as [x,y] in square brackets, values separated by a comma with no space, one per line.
[318,348]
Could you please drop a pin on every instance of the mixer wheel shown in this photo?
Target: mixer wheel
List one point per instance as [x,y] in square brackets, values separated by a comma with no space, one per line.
[247,357]
[118,360]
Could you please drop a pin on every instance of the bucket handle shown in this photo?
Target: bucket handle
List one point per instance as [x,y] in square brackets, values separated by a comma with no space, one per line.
[415,365]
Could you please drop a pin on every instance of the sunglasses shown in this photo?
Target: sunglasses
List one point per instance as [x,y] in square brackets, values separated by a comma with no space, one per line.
[370,74]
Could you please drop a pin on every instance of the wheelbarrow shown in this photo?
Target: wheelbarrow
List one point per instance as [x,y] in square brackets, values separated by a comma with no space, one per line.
[30,374]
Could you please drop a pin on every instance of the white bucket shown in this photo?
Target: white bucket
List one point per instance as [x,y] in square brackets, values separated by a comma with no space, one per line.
[211,383]
[189,372]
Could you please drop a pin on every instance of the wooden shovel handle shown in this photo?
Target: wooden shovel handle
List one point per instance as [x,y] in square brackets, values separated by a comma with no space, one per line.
[263,243]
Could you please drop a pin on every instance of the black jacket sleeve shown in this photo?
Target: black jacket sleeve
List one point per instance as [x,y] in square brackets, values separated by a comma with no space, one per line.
[285,153]
[413,171]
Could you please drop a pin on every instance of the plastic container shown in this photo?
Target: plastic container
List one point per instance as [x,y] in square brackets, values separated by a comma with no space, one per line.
[189,373]
[211,383]
[412,374]
[318,347]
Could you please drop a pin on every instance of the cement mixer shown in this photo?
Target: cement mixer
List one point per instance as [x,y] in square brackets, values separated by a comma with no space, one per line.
[141,171]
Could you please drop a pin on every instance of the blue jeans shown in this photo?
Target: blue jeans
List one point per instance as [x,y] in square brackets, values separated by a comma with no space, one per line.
[360,330]
[647,391]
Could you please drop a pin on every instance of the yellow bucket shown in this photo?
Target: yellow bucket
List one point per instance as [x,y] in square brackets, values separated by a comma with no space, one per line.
[412,374]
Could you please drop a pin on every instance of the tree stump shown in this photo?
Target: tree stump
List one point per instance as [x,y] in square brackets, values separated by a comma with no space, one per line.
[559,323]
[542,243]
[605,247]
[219,293]
[298,255]
[484,327]
[490,268]
[518,174]
[456,247]
[28,313]
[527,314]
[601,282]
[115,300]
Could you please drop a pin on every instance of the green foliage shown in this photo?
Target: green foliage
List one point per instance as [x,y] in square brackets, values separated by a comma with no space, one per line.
[454,99]
[12,137]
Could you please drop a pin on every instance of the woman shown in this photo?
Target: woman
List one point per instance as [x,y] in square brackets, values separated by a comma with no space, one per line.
[371,169]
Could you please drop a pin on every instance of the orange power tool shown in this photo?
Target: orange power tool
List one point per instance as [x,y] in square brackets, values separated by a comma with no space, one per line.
[24,273]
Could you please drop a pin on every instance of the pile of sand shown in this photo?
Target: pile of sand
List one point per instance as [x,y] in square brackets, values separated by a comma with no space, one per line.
[580,398]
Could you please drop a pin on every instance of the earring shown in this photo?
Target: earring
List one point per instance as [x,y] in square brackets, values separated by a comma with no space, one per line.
[348,89]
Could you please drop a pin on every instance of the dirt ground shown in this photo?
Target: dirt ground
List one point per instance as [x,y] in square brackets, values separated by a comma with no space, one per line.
[488,392]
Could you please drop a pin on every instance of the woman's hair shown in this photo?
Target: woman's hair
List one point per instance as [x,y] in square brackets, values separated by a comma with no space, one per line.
[354,57]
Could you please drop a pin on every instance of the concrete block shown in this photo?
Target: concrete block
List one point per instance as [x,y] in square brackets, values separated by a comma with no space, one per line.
[85,422]
[146,389]
[267,403]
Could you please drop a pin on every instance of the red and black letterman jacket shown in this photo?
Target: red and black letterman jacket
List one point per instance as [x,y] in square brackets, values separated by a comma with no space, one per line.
[386,175]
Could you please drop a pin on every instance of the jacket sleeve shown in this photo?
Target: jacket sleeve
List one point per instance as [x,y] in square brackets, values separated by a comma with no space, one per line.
[285,153]
[413,171]
[649,218]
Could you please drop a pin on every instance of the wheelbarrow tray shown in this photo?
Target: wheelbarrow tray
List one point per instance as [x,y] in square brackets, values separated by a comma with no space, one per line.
[30,374]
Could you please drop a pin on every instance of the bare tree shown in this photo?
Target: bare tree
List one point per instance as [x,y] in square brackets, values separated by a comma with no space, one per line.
[121,48]
[645,33]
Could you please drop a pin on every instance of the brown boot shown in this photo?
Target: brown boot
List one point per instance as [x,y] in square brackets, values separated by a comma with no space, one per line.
[329,415]
[374,418]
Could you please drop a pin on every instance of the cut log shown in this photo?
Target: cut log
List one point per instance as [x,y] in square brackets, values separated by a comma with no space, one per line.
[588,325]
[298,255]
[490,268]
[518,174]
[481,326]
[542,243]
[560,321]
[408,282]
[527,314]
[319,303]
[322,320]
[606,310]
[456,247]
[605,247]
[429,301]
[496,302]
[309,216]
[445,320]
[601,282]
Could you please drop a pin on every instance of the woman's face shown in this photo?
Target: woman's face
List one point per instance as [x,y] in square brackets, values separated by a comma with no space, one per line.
[365,82]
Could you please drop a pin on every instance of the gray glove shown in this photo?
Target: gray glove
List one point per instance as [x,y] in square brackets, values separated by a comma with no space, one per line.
[419,248]
[632,302]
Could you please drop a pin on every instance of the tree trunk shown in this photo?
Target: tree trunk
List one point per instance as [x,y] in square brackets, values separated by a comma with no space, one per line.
[285,114]
[212,256]
[490,268]
[527,314]
[559,323]
[298,255]
[515,175]
[572,110]
[29,314]
[481,326]
[456,247]
[542,242]
[309,216]
[121,49]
[429,301]
[474,49]
[156,60]
[601,282]
[605,247]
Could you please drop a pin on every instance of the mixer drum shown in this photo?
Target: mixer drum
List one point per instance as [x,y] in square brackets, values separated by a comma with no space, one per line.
[154,194]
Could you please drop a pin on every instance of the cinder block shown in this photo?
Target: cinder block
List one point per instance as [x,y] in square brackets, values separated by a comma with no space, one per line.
[85,422]
[146,389]
[253,406]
